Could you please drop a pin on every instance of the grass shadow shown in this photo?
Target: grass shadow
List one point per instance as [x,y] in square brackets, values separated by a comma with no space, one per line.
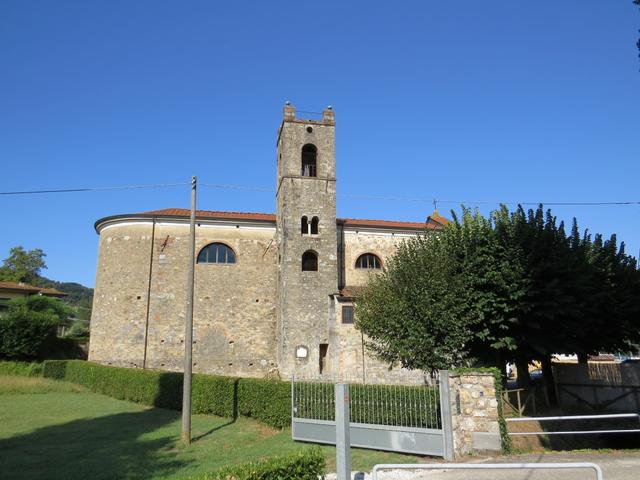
[121,446]
[213,430]
[234,416]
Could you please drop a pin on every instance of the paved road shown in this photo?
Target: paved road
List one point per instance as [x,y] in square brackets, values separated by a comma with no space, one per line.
[616,466]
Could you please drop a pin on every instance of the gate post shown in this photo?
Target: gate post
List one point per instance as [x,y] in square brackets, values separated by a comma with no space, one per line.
[445,414]
[343,438]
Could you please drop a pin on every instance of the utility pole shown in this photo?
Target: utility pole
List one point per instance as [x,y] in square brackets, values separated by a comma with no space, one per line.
[343,431]
[188,323]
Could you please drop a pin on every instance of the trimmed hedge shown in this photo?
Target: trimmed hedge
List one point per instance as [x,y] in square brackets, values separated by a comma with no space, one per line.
[305,465]
[24,369]
[268,401]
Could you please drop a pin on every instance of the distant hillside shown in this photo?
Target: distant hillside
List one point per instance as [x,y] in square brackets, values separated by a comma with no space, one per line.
[80,297]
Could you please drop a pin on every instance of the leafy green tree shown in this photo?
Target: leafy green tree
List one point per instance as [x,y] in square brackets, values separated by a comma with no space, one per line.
[444,298]
[23,265]
[78,329]
[511,287]
[28,324]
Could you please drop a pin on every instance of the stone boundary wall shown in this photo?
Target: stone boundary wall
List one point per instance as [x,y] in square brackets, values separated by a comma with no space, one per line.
[474,413]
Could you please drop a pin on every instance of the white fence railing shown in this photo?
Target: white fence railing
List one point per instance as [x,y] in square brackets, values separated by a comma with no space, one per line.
[576,417]
[488,466]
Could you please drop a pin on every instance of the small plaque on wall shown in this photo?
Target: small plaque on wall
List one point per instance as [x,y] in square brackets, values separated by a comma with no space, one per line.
[302,352]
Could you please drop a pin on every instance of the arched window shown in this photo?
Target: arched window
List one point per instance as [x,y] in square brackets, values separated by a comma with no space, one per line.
[309,261]
[314,226]
[304,226]
[368,260]
[216,253]
[309,155]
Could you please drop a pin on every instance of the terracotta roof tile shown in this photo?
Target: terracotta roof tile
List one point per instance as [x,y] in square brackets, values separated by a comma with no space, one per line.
[269,217]
[52,292]
[351,291]
[18,286]
[185,212]
[23,287]
[436,217]
[386,223]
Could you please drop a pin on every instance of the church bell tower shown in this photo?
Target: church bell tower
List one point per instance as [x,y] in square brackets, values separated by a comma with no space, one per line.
[307,242]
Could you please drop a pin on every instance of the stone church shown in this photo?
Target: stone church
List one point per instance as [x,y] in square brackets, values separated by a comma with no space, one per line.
[274,293]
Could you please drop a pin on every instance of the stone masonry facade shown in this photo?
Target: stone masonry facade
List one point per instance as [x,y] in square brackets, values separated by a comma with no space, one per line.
[474,413]
[262,314]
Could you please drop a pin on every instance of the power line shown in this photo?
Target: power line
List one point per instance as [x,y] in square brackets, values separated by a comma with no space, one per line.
[396,198]
[93,189]
[539,203]
[427,200]
[237,187]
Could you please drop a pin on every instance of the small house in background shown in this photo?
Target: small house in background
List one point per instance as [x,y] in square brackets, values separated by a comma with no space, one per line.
[11,290]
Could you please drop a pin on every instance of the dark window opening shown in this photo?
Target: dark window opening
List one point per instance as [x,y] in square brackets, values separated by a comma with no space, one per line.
[347,314]
[304,226]
[309,261]
[216,253]
[309,155]
[314,225]
[322,361]
[368,260]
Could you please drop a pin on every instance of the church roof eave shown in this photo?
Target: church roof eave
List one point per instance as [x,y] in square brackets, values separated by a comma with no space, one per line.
[169,214]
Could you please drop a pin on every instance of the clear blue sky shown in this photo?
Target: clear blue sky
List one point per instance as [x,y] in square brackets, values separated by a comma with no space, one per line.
[467,100]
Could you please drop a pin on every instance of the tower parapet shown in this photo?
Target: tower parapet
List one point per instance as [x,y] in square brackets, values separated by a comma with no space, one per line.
[327,116]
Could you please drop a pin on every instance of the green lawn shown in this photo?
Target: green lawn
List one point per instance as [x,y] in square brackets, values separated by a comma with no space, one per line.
[57,430]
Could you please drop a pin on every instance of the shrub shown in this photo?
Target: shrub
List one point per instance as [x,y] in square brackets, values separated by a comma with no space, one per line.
[28,325]
[24,369]
[62,348]
[213,395]
[148,387]
[79,329]
[305,465]
[268,401]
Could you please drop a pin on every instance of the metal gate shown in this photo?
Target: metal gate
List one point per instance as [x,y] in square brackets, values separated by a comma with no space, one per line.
[397,418]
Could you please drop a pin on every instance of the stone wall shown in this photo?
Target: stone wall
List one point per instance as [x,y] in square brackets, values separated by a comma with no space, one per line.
[234,304]
[358,242]
[356,364]
[304,297]
[120,299]
[474,413]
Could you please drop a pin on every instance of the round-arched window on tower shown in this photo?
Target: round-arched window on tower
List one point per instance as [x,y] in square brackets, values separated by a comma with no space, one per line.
[314,225]
[217,253]
[309,261]
[368,260]
[309,160]
[304,225]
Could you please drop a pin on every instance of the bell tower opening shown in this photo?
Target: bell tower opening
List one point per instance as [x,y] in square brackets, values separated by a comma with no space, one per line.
[309,160]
